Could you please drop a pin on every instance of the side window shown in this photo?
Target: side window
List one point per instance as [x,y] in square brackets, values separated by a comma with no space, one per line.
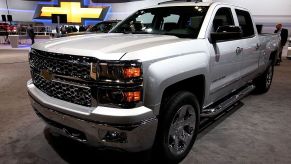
[245,22]
[144,20]
[170,22]
[222,17]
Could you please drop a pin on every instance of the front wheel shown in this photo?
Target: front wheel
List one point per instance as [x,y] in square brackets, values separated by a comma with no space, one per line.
[263,83]
[178,127]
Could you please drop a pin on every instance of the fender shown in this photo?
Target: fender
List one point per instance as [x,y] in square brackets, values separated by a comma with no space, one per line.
[165,73]
[167,64]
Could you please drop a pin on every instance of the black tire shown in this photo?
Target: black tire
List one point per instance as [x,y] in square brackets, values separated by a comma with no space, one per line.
[263,83]
[182,102]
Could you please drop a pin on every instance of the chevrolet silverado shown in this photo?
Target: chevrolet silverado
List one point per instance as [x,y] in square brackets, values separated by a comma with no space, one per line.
[148,82]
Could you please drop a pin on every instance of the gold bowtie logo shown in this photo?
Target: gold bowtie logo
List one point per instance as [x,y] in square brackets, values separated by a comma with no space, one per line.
[46,74]
[75,11]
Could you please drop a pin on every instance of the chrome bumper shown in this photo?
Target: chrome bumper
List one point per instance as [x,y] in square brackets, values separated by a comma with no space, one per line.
[130,130]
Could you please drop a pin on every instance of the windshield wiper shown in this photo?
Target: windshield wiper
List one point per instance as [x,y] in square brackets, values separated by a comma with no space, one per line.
[141,32]
[179,35]
[127,32]
[135,32]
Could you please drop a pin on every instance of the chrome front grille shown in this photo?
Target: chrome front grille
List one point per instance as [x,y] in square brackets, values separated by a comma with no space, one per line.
[68,92]
[66,65]
[62,69]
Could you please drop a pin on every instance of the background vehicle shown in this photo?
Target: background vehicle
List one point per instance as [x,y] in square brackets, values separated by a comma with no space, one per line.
[149,81]
[101,27]
[104,27]
[7,27]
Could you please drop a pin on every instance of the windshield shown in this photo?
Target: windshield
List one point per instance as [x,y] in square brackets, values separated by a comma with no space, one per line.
[180,21]
[103,27]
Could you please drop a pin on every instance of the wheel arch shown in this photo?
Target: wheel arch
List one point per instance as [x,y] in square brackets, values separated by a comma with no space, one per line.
[273,56]
[195,85]
[163,76]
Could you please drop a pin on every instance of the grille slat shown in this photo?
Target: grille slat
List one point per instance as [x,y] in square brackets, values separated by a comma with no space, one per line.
[58,65]
[73,67]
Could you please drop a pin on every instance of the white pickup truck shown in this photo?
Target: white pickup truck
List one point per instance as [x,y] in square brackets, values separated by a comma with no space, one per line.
[148,82]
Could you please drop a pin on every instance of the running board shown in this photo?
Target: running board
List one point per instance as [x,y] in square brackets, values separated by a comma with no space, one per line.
[213,110]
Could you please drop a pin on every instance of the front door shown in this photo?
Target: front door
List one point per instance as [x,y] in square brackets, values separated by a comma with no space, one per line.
[226,62]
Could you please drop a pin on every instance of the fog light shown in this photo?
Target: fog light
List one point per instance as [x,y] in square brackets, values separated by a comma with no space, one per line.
[122,97]
[132,96]
[113,136]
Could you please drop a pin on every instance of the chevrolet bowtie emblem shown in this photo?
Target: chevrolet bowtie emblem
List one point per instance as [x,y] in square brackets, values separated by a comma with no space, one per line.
[76,11]
[46,74]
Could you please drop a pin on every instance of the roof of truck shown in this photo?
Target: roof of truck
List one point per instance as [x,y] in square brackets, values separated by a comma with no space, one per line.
[182,3]
[168,4]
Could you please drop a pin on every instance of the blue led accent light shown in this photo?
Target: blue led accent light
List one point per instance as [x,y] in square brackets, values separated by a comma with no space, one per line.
[90,22]
[108,13]
[86,2]
[44,21]
[53,2]
[17,10]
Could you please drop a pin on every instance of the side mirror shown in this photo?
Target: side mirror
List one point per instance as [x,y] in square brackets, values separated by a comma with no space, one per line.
[224,33]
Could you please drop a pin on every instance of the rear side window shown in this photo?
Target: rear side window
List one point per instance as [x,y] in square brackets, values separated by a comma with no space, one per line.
[223,17]
[170,22]
[245,22]
[145,18]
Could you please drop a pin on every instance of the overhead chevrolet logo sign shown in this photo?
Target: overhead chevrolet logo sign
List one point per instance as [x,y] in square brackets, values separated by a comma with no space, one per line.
[76,11]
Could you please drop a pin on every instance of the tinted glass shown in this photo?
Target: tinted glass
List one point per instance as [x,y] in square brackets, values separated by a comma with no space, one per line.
[180,21]
[245,22]
[223,17]
[103,27]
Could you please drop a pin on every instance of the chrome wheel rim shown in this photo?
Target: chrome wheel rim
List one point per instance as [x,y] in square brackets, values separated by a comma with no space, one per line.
[269,77]
[182,129]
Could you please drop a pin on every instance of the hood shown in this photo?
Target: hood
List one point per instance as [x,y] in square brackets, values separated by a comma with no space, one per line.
[105,46]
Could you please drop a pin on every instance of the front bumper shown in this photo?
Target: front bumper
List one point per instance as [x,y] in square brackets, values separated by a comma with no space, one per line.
[130,130]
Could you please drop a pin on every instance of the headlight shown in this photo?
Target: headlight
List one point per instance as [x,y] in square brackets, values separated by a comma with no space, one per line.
[116,71]
[119,82]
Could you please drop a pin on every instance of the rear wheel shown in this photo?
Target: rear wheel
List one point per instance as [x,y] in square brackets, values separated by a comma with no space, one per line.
[263,83]
[178,127]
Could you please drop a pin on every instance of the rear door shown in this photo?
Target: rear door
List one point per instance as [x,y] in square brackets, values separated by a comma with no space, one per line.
[250,44]
[225,60]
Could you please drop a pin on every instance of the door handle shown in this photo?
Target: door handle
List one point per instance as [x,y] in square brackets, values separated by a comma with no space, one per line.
[238,50]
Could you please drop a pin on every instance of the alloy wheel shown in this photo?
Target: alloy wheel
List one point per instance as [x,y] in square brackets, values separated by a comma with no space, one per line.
[182,129]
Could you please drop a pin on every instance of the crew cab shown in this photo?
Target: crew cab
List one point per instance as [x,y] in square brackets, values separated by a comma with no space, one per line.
[148,82]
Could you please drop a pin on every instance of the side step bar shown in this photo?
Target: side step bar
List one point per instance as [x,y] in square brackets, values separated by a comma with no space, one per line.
[215,109]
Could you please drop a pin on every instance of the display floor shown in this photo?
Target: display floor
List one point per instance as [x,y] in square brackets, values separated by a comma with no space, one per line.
[23,44]
[257,130]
